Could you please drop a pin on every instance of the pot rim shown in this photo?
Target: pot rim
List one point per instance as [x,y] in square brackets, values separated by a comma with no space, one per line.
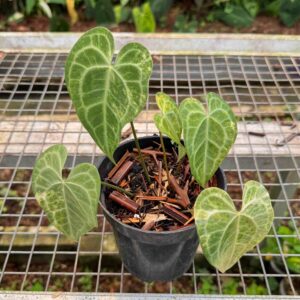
[102,197]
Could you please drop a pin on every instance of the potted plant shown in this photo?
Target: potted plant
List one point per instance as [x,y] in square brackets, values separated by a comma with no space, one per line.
[157,192]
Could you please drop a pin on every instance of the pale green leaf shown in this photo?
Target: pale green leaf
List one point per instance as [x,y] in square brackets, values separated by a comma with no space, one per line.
[69,203]
[143,18]
[226,234]
[208,134]
[43,5]
[168,121]
[106,95]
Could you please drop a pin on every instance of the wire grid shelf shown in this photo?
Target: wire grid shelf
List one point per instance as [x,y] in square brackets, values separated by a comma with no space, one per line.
[36,112]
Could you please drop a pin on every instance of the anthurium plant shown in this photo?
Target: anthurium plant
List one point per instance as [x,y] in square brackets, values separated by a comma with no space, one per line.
[107,94]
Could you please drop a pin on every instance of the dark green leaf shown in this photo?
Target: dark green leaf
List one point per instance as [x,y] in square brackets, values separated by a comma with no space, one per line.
[273,7]
[252,7]
[90,8]
[184,24]
[61,2]
[104,12]
[59,24]
[290,12]
[236,16]
[160,7]
[30,4]
[256,289]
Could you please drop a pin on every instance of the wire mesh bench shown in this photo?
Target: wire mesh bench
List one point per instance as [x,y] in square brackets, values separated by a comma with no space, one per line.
[36,112]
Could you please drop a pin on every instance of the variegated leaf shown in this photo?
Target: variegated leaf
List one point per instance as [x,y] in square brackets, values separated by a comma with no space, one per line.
[168,121]
[107,95]
[208,134]
[69,203]
[226,234]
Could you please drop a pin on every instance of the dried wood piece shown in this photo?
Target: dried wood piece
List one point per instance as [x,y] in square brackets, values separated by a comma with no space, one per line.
[131,220]
[261,134]
[152,152]
[124,201]
[154,217]
[126,133]
[186,171]
[148,226]
[174,201]
[212,182]
[288,123]
[284,141]
[118,165]
[152,198]
[189,221]
[175,214]
[151,219]
[122,172]
[184,198]
[123,183]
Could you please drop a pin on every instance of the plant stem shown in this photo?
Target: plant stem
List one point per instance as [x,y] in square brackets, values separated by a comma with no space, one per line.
[117,188]
[139,152]
[165,156]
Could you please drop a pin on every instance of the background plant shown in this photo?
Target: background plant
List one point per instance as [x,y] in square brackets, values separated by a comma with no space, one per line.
[147,15]
[289,245]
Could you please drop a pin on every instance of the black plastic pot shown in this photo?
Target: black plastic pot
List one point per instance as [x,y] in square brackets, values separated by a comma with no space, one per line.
[149,255]
[285,287]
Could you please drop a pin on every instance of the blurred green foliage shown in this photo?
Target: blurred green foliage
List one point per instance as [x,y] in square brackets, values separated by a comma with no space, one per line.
[289,244]
[147,15]
[143,18]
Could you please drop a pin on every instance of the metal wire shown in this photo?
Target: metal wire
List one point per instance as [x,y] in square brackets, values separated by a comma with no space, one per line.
[36,112]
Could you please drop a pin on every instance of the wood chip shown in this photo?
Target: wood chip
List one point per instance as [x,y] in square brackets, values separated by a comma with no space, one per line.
[175,214]
[124,201]
[121,172]
[118,165]
[152,198]
[184,198]
[154,217]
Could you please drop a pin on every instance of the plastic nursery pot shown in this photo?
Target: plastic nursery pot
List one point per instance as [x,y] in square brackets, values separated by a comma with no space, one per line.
[285,287]
[150,255]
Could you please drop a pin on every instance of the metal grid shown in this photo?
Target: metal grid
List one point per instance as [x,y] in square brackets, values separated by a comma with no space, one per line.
[37,112]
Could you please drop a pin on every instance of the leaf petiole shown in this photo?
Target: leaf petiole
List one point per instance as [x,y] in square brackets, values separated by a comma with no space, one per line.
[165,156]
[117,188]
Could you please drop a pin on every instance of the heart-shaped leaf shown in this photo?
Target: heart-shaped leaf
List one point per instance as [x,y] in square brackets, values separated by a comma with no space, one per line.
[106,95]
[71,203]
[208,135]
[226,234]
[168,121]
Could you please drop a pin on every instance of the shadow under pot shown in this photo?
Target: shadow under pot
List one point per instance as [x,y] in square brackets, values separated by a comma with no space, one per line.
[151,255]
